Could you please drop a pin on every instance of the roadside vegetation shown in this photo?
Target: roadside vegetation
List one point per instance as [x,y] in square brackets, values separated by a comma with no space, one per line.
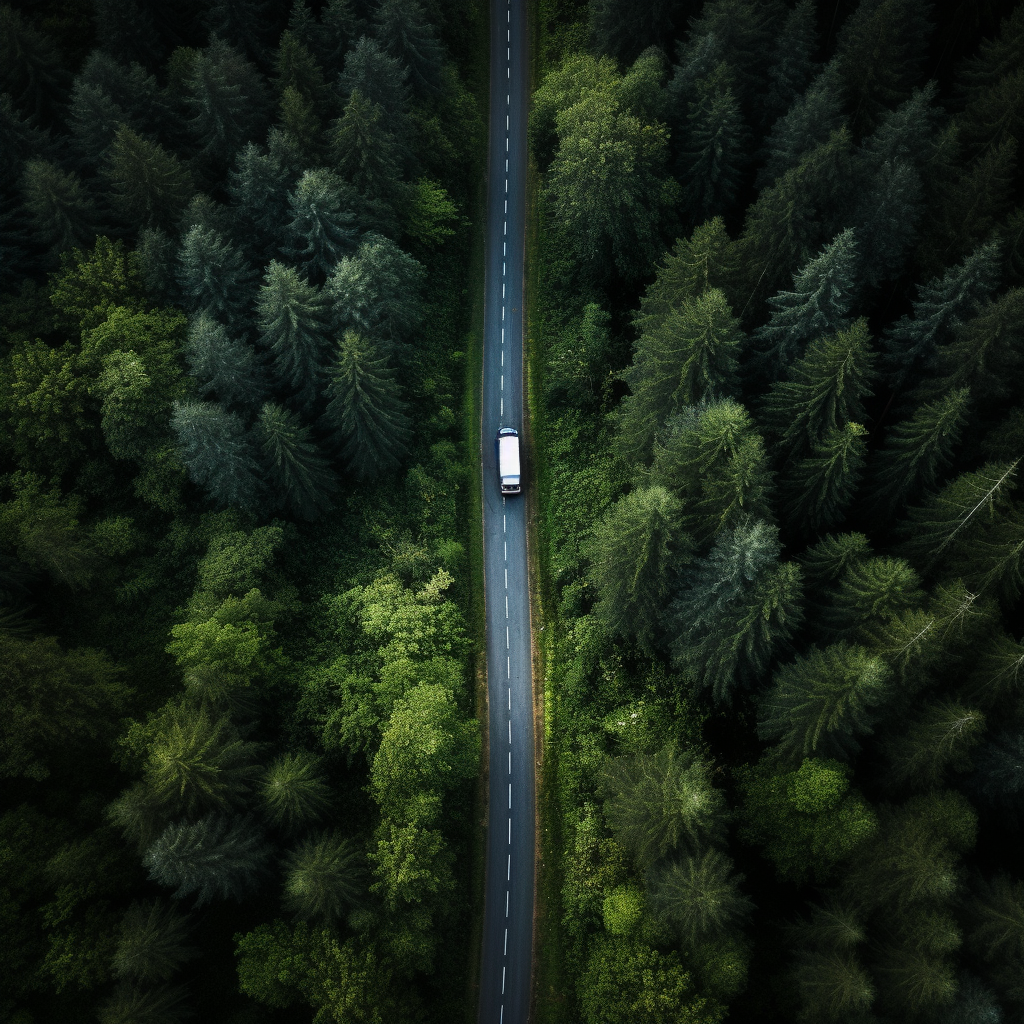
[778,334]
[237,739]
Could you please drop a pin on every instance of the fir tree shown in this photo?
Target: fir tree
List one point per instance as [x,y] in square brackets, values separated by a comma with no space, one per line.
[404,32]
[301,478]
[825,389]
[214,276]
[378,293]
[698,897]
[366,151]
[227,101]
[832,557]
[905,134]
[62,213]
[340,29]
[831,983]
[322,227]
[915,453]
[126,31]
[938,740]
[886,221]
[997,560]
[366,411]
[31,72]
[822,701]
[301,128]
[792,65]
[240,23]
[296,68]
[912,345]
[625,30]
[822,484]
[217,452]
[215,857]
[294,792]
[871,591]
[659,803]
[152,943]
[998,672]
[258,185]
[293,319]
[714,150]
[635,551]
[380,78]
[323,878]
[819,304]
[223,366]
[808,122]
[93,120]
[128,1003]
[148,186]
[135,92]
[999,774]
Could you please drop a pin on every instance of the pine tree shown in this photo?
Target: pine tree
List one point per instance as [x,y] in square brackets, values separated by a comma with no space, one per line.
[258,185]
[93,120]
[149,187]
[635,551]
[223,366]
[197,763]
[938,740]
[293,318]
[340,30]
[323,878]
[822,701]
[954,517]
[911,346]
[380,78]
[822,484]
[217,452]
[905,134]
[808,122]
[699,897]
[714,149]
[870,591]
[322,224]
[825,389]
[31,72]
[294,792]
[130,1003]
[227,101]
[366,151]
[996,561]
[880,51]
[366,411]
[792,65]
[214,276]
[404,32]
[303,481]
[301,128]
[62,213]
[833,557]
[998,671]
[215,857]
[690,355]
[886,221]
[819,304]
[135,92]
[659,803]
[152,943]
[378,293]
[915,453]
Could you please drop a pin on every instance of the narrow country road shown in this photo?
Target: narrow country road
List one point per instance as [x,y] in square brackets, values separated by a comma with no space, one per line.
[508,899]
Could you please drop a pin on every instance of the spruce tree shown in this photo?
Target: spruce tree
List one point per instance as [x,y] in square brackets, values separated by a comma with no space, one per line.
[296,68]
[997,561]
[378,293]
[294,319]
[340,28]
[62,213]
[404,32]
[135,92]
[999,774]
[659,803]
[886,221]
[831,984]
[163,1004]
[366,151]
[300,476]
[222,365]
[821,485]
[998,672]
[825,389]
[31,72]
[241,23]
[301,128]
[258,185]
[905,134]
[806,124]
[832,558]
[366,411]
[152,942]
[792,65]
[819,304]
[93,120]
[869,592]
[294,792]
[635,551]
[380,78]
[911,346]
[227,101]
[322,227]
[217,452]
[323,878]
[939,740]
[215,857]
[625,30]
[214,276]
[821,702]
[149,187]
[915,453]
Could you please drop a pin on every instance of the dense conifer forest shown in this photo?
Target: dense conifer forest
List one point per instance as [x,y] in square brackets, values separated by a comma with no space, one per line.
[237,733]
[778,363]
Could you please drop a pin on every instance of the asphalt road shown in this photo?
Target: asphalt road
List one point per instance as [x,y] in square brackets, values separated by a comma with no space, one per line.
[508,907]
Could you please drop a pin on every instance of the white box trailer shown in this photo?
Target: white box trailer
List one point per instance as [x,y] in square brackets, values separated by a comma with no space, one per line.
[506,450]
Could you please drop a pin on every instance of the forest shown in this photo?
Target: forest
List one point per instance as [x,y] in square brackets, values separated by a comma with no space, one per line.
[777,369]
[238,739]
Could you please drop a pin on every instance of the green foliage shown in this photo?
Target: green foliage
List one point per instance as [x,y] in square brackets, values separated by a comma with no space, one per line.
[822,484]
[430,213]
[148,185]
[624,909]
[63,215]
[222,365]
[323,878]
[294,792]
[302,477]
[576,369]
[658,803]
[322,223]
[152,943]
[214,275]
[938,740]
[806,820]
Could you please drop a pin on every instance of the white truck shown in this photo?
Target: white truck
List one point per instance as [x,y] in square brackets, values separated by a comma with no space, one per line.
[506,450]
